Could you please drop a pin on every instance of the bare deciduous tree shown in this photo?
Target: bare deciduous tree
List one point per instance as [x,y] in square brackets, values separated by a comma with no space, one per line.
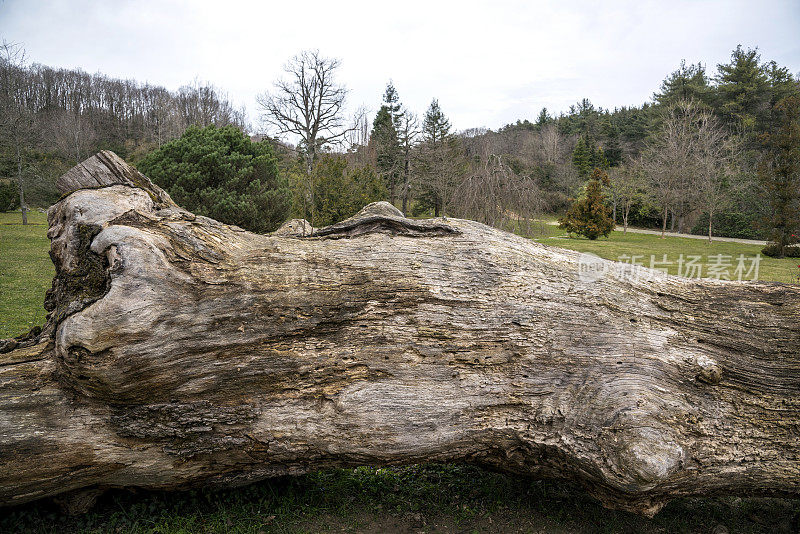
[72,133]
[669,159]
[110,110]
[439,169]
[492,193]
[16,122]
[357,134]
[307,104]
[408,132]
[628,186]
[690,162]
[715,159]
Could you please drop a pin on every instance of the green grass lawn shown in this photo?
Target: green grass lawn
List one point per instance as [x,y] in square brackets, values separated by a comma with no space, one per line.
[426,498]
[25,272]
[644,248]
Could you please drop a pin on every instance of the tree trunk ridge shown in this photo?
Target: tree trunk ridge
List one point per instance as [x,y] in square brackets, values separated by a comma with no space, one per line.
[181,352]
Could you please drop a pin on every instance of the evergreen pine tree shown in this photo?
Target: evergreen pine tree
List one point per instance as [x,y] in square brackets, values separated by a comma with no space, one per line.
[781,85]
[438,161]
[599,160]
[435,126]
[612,148]
[543,118]
[582,158]
[221,173]
[687,83]
[391,101]
[743,90]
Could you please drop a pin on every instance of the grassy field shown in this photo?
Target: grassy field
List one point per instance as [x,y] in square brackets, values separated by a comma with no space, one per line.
[645,248]
[427,498]
[25,272]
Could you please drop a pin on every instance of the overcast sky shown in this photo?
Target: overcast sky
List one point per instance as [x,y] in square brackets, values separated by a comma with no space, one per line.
[489,63]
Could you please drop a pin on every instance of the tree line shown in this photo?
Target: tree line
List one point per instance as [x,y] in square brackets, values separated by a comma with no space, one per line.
[694,159]
[708,154]
[53,118]
[699,158]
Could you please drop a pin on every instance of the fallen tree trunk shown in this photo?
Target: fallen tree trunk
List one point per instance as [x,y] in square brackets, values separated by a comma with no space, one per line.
[182,352]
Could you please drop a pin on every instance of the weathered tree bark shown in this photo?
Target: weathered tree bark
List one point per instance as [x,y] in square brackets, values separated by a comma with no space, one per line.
[180,352]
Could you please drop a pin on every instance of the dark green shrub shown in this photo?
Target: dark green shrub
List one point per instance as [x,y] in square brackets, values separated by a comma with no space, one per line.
[222,174]
[773,250]
[730,224]
[339,190]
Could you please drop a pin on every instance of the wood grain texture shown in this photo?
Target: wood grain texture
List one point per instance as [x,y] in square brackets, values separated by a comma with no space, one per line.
[182,352]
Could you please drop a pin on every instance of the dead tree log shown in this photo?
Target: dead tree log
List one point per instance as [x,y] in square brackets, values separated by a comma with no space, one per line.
[181,352]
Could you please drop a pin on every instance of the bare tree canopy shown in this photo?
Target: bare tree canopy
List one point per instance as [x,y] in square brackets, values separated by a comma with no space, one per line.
[16,122]
[691,161]
[307,103]
[669,158]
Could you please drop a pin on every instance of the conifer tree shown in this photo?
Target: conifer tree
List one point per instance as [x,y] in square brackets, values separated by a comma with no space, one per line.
[391,101]
[590,216]
[439,160]
[388,152]
[543,118]
[743,90]
[221,173]
[342,189]
[612,148]
[582,158]
[587,156]
[687,83]
[435,126]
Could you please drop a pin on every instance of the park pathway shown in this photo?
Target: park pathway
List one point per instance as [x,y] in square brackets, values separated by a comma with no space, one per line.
[693,236]
[689,236]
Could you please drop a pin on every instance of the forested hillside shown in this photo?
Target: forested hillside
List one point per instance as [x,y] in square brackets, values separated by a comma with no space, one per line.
[52,118]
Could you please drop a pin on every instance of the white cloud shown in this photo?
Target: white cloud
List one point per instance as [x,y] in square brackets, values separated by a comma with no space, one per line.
[489,63]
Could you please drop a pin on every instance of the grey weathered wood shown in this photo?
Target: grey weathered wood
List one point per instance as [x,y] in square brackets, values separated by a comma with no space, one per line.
[106,168]
[180,351]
